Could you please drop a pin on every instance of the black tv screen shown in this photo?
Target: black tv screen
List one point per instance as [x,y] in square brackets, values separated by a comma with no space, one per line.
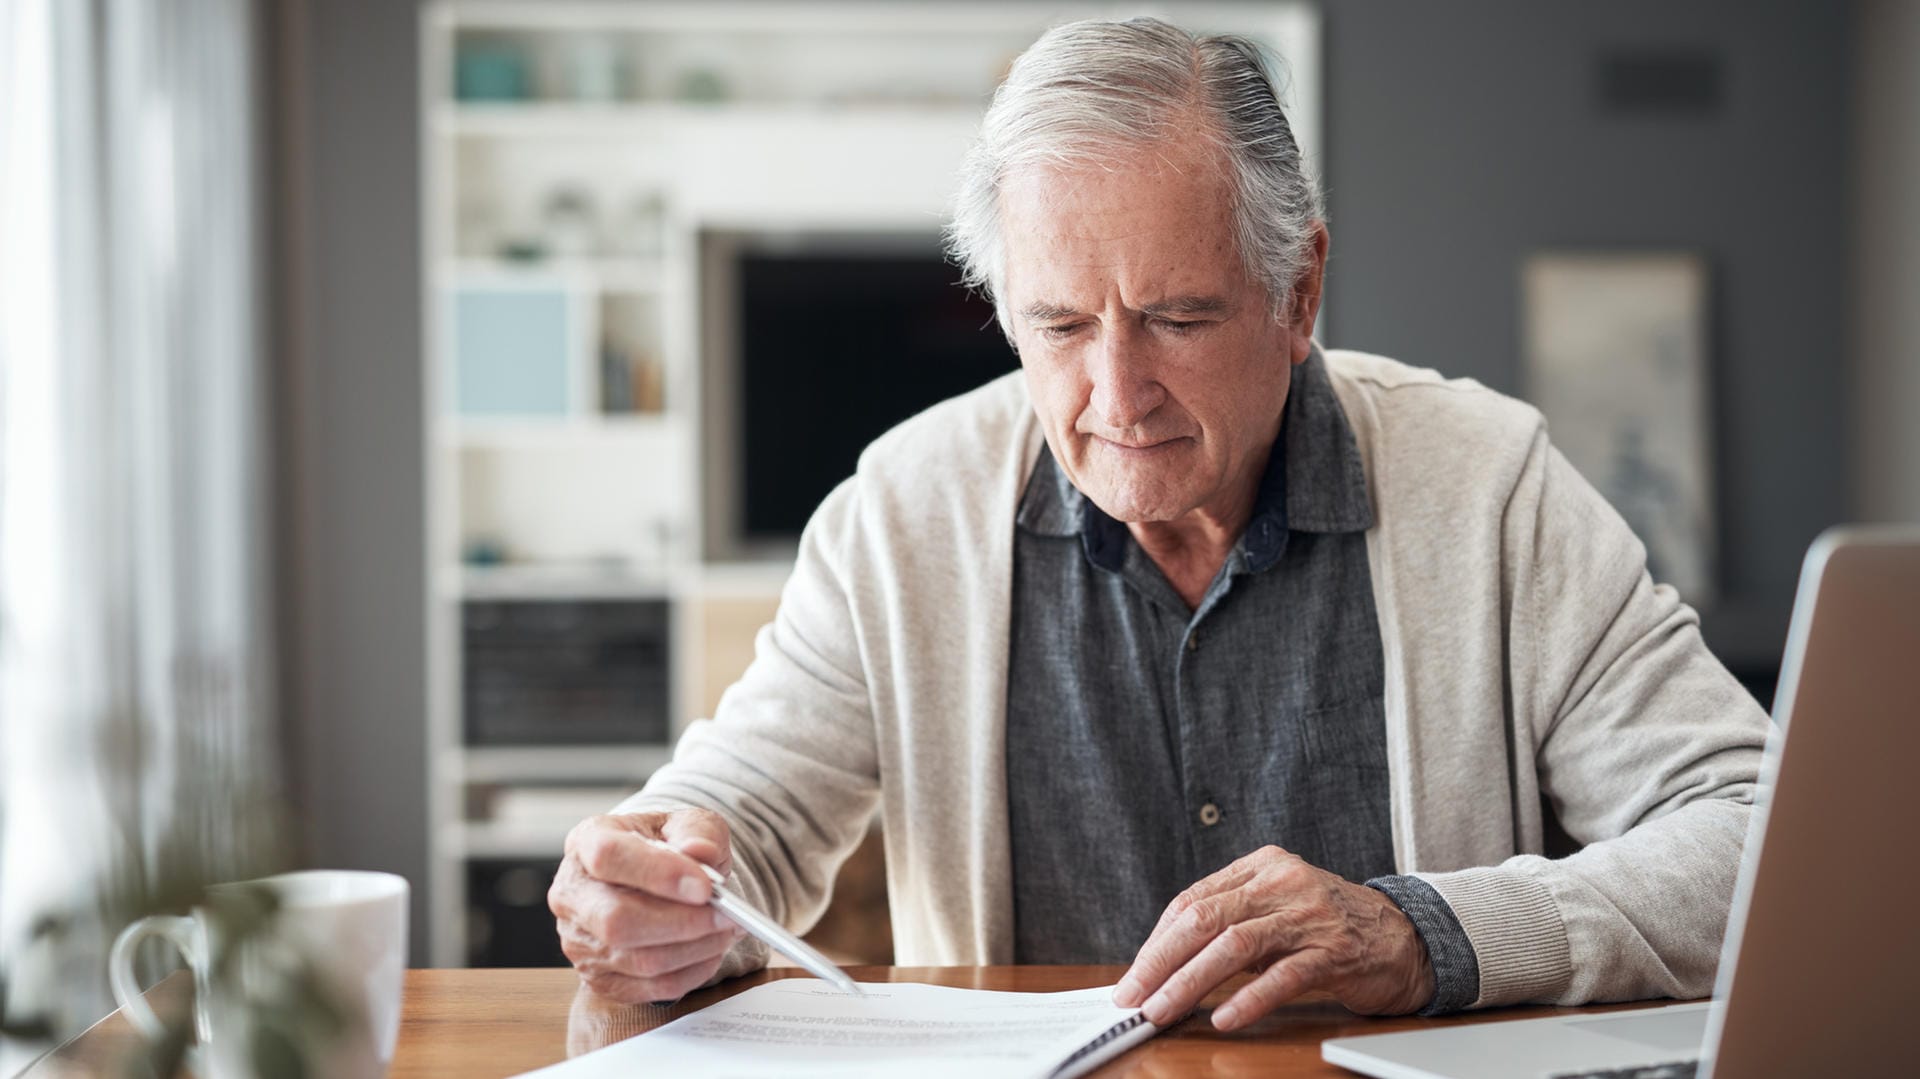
[835,348]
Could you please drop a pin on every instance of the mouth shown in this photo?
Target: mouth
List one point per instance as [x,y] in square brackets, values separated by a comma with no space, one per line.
[1143,449]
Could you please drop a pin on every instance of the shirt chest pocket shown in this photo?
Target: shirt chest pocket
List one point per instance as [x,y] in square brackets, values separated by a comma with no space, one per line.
[1347,736]
[1347,829]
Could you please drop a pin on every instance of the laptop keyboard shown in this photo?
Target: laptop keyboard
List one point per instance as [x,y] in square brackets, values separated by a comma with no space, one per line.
[1679,1069]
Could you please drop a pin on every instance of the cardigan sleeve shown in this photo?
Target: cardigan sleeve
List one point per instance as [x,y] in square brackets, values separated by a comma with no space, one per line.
[788,759]
[1645,747]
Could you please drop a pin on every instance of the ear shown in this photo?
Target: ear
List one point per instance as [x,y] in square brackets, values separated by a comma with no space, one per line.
[1303,306]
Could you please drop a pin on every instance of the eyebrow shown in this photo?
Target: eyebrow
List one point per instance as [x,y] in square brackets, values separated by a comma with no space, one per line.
[1177,305]
[1046,312]
[1189,305]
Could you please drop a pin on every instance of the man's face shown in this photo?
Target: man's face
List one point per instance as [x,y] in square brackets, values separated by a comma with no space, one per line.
[1154,362]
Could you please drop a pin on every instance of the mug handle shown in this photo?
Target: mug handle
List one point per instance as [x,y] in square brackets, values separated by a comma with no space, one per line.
[184,934]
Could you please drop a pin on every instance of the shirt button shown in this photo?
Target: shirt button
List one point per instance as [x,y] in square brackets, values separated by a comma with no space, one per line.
[1193,641]
[1209,814]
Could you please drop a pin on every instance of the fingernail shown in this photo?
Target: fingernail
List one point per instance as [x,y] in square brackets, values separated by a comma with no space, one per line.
[1127,993]
[1156,1008]
[693,890]
[721,921]
[1226,1016]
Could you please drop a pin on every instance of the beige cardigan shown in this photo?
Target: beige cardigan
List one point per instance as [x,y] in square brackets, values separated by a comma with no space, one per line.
[1527,654]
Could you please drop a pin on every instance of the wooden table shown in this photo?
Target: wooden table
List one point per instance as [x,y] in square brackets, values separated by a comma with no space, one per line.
[479,1023]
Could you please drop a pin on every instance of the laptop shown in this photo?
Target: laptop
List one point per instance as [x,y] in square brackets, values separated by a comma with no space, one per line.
[1820,971]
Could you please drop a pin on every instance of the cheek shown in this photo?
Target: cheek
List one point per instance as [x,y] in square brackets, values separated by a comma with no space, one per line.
[1228,395]
[1059,395]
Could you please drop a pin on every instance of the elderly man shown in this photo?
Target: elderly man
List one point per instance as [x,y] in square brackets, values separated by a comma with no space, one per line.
[1192,645]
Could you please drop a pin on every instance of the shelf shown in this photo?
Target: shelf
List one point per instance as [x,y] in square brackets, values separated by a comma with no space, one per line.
[482,839]
[742,580]
[543,120]
[546,120]
[736,580]
[470,432]
[843,118]
[574,764]
[537,582]
[609,273]
[746,17]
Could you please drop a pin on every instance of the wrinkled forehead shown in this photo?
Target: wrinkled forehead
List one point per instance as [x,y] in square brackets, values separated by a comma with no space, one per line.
[1196,166]
[1162,215]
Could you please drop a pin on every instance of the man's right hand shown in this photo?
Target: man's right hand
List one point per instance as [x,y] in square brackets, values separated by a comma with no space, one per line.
[633,915]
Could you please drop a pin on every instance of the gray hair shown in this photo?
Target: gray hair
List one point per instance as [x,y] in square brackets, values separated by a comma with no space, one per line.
[1088,88]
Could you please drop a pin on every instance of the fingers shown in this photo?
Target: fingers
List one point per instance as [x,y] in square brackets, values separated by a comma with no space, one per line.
[631,989]
[1317,930]
[588,952]
[1188,926]
[700,834]
[1166,949]
[632,911]
[1233,876]
[1278,984]
[625,918]
[648,972]
[623,850]
[1239,946]
[1224,924]
[1177,939]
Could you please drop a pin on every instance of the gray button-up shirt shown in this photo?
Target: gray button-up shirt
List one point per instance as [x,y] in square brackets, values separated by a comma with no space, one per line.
[1149,745]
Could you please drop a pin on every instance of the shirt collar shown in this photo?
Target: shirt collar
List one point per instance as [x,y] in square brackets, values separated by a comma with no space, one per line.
[1326,478]
[1315,481]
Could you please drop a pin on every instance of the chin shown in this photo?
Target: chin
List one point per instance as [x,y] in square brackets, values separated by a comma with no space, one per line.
[1138,507]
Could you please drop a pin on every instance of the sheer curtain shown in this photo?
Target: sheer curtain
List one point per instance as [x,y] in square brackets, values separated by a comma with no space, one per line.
[135,685]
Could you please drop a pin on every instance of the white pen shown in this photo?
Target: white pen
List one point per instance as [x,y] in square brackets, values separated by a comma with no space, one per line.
[729,903]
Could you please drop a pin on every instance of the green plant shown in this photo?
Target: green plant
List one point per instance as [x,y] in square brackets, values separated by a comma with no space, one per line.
[34,1026]
[291,1017]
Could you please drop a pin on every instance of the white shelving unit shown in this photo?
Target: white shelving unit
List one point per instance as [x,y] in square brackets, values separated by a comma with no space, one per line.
[574,155]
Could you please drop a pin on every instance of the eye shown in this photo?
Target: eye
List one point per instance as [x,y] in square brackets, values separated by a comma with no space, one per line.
[1060,332]
[1176,326]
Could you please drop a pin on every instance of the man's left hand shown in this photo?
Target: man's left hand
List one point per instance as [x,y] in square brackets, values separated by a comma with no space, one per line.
[1300,927]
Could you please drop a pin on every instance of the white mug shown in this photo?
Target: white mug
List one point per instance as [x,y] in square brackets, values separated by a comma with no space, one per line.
[350,926]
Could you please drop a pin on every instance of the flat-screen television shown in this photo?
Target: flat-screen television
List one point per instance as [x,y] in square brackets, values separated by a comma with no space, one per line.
[817,343]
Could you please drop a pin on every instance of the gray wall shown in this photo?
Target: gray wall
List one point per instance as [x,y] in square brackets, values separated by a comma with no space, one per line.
[1886,262]
[352,439]
[1461,137]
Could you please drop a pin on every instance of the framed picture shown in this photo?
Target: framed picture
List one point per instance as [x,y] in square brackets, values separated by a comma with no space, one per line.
[1614,353]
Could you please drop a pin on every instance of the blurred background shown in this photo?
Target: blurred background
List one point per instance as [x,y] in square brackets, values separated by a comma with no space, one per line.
[410,408]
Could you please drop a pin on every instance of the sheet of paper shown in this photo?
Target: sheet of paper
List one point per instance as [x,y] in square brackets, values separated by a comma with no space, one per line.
[805,1027]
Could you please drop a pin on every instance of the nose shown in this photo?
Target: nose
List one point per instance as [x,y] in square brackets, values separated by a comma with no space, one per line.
[1124,391]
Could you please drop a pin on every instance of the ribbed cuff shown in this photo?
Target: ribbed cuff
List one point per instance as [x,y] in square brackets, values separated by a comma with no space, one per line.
[1456,970]
[1518,934]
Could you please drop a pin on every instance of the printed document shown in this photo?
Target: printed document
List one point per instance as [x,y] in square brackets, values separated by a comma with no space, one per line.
[805,1027]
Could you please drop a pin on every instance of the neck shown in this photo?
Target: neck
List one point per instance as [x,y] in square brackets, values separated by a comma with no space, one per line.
[1189,550]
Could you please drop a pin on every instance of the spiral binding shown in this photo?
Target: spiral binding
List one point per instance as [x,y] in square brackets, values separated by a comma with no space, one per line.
[1137,1019]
